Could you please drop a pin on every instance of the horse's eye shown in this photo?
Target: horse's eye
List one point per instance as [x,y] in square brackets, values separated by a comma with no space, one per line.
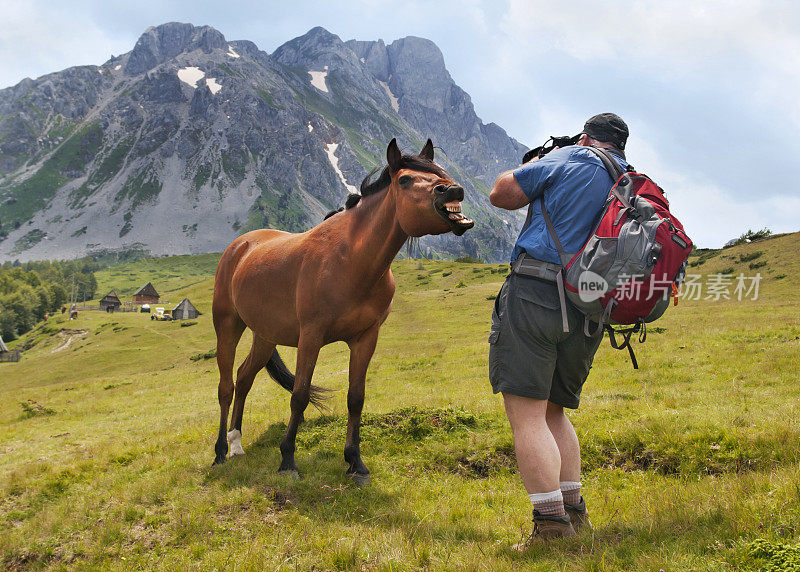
[405,179]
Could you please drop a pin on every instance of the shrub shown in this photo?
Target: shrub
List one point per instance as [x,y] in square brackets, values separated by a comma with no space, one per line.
[208,355]
[31,408]
[751,256]
[469,259]
[749,236]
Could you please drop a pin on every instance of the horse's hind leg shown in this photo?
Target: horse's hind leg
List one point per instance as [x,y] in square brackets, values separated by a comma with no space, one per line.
[256,360]
[229,328]
[307,353]
[361,351]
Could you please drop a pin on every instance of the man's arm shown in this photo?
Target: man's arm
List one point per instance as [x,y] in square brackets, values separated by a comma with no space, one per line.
[507,194]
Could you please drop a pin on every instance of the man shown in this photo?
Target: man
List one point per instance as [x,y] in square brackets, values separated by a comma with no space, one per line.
[538,366]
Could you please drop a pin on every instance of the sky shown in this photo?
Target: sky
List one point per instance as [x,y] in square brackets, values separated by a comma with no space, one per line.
[710,90]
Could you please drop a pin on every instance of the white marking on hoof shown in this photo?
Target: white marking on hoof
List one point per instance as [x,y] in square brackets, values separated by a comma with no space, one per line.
[235,443]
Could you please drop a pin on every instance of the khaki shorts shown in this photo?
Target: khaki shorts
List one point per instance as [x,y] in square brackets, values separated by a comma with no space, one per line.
[529,353]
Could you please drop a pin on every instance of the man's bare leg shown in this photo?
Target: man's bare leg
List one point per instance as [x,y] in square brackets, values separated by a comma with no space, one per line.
[570,478]
[538,456]
[567,442]
[539,463]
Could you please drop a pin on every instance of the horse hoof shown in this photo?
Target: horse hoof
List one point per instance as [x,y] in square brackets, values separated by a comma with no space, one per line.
[359,479]
[293,473]
[218,461]
[235,443]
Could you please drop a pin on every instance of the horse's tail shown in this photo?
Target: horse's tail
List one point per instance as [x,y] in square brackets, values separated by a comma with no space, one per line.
[280,373]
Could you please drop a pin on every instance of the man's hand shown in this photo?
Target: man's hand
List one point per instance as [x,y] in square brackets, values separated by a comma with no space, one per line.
[507,194]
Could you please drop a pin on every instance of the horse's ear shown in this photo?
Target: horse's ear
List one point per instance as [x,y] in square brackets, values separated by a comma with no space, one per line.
[393,156]
[427,151]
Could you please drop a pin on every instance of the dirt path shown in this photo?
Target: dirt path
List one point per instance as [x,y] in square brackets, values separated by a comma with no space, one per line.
[69,335]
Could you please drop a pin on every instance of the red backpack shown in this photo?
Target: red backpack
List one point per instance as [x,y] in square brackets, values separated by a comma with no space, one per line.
[633,261]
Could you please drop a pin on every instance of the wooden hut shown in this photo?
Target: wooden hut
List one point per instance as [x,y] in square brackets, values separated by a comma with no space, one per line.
[184,311]
[146,295]
[110,302]
[6,354]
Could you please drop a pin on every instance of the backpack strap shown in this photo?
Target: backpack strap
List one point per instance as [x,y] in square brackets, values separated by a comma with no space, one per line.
[565,258]
[623,187]
[626,334]
[610,164]
[562,254]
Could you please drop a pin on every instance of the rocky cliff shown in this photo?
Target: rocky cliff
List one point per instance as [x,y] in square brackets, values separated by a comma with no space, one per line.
[189,140]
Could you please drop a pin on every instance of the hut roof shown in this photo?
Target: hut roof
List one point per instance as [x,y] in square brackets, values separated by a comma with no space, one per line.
[184,304]
[111,297]
[3,347]
[147,290]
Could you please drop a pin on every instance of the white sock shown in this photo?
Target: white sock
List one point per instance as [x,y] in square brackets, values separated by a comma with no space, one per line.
[571,490]
[548,504]
[555,496]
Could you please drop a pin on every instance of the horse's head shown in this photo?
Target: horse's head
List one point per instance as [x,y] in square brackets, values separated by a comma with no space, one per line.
[428,202]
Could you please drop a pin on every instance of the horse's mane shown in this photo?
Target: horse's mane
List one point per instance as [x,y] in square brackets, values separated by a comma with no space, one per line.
[370,185]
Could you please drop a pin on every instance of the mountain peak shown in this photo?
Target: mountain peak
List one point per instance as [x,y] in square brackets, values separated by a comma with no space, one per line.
[316,47]
[319,32]
[159,43]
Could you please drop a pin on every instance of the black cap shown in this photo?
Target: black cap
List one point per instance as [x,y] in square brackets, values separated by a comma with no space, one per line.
[609,128]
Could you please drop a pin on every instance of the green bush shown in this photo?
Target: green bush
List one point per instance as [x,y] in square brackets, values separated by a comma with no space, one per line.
[31,408]
[469,259]
[208,355]
[751,256]
[749,236]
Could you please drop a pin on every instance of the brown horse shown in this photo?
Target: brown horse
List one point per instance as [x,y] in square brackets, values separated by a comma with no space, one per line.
[332,283]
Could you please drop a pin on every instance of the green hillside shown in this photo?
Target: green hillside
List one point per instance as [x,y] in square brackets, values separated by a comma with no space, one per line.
[691,462]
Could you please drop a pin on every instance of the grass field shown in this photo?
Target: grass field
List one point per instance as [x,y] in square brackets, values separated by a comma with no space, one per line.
[690,463]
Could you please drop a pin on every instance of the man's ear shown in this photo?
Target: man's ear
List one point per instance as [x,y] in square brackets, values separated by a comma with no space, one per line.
[427,151]
[393,156]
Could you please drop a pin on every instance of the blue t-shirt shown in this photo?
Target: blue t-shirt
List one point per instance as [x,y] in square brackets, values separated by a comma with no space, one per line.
[575,186]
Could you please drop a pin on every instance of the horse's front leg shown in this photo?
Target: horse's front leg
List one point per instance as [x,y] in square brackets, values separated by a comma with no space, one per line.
[361,351]
[307,351]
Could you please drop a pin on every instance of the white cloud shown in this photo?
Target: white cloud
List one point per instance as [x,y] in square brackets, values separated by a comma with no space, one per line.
[709,214]
[34,41]
[744,45]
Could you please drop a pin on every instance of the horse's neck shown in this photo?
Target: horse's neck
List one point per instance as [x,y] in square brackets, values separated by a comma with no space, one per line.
[376,237]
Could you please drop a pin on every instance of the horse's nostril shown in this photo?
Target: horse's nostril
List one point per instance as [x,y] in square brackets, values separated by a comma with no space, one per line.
[439,189]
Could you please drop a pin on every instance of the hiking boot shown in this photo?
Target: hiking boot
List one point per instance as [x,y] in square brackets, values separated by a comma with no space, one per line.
[578,515]
[546,528]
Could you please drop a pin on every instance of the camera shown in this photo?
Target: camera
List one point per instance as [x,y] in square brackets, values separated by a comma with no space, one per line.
[552,143]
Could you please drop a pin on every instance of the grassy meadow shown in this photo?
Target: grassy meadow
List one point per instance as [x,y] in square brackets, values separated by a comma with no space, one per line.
[690,463]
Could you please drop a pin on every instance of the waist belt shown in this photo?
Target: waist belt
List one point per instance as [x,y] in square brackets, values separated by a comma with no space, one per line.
[524,264]
[528,266]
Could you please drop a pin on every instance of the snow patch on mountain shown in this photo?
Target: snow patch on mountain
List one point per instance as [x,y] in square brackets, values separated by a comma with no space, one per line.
[190,75]
[330,149]
[318,79]
[232,53]
[395,103]
[213,85]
